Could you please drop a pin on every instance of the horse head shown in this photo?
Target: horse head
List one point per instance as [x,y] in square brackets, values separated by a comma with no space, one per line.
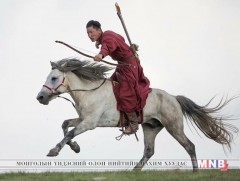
[81,74]
[55,85]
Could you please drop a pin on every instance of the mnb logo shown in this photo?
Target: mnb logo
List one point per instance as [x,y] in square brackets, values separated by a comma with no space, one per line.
[220,164]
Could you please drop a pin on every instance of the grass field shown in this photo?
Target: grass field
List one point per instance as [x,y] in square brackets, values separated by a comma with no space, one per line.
[202,175]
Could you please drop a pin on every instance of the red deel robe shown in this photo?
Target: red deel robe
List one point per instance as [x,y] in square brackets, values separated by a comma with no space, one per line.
[130,86]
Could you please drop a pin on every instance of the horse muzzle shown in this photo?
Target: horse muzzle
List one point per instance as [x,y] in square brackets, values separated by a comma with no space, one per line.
[43,97]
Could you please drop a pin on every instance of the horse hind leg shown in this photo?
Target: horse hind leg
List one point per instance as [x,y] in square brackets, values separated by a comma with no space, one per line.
[190,148]
[149,131]
[180,136]
[71,123]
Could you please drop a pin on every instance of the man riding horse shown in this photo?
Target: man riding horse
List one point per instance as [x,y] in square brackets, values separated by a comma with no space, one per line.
[130,86]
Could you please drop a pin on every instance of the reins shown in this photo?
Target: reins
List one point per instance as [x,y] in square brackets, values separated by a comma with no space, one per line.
[56,92]
[81,90]
[88,89]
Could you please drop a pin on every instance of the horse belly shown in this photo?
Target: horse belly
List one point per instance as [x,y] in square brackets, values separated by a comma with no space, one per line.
[109,118]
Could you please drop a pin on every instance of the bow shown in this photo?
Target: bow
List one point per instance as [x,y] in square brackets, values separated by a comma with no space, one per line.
[84,54]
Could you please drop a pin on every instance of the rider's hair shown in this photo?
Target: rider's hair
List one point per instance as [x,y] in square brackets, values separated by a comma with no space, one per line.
[94,24]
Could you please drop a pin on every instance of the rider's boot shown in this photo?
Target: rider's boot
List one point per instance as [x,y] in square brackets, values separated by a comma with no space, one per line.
[133,123]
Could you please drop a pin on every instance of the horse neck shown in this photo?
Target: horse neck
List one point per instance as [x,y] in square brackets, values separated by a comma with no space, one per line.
[75,83]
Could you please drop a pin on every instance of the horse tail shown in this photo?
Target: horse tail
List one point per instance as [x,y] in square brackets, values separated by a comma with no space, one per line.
[212,125]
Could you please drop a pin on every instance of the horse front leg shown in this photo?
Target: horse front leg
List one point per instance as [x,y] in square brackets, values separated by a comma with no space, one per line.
[71,123]
[83,126]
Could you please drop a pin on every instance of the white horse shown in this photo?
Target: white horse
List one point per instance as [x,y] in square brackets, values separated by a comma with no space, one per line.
[96,106]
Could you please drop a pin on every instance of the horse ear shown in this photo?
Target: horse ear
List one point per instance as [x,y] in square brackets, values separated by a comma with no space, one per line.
[53,64]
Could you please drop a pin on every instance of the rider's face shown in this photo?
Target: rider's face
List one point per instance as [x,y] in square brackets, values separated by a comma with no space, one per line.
[93,33]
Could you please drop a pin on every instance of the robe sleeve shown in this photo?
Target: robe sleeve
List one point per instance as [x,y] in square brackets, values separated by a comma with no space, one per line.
[109,45]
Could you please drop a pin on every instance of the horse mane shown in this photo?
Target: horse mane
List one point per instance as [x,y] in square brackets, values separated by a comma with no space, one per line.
[86,69]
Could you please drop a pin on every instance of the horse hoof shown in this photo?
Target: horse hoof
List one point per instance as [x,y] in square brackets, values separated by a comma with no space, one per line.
[75,147]
[195,170]
[136,168]
[53,152]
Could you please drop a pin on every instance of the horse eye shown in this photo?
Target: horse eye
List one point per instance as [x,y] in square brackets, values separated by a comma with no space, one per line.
[53,78]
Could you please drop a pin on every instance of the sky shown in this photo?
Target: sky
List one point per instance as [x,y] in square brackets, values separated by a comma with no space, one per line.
[187,47]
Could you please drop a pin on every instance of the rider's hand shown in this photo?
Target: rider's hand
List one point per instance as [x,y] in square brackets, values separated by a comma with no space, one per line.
[98,57]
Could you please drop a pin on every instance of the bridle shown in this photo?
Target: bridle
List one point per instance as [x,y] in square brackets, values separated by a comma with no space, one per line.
[55,89]
[57,93]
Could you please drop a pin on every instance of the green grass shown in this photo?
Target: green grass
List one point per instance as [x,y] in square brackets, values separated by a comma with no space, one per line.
[202,175]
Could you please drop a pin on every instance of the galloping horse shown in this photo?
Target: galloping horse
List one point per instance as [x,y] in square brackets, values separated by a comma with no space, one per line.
[96,106]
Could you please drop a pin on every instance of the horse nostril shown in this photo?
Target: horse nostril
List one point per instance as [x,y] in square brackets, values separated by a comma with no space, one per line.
[39,98]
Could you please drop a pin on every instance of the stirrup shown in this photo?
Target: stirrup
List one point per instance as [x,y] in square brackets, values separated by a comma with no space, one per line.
[120,136]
